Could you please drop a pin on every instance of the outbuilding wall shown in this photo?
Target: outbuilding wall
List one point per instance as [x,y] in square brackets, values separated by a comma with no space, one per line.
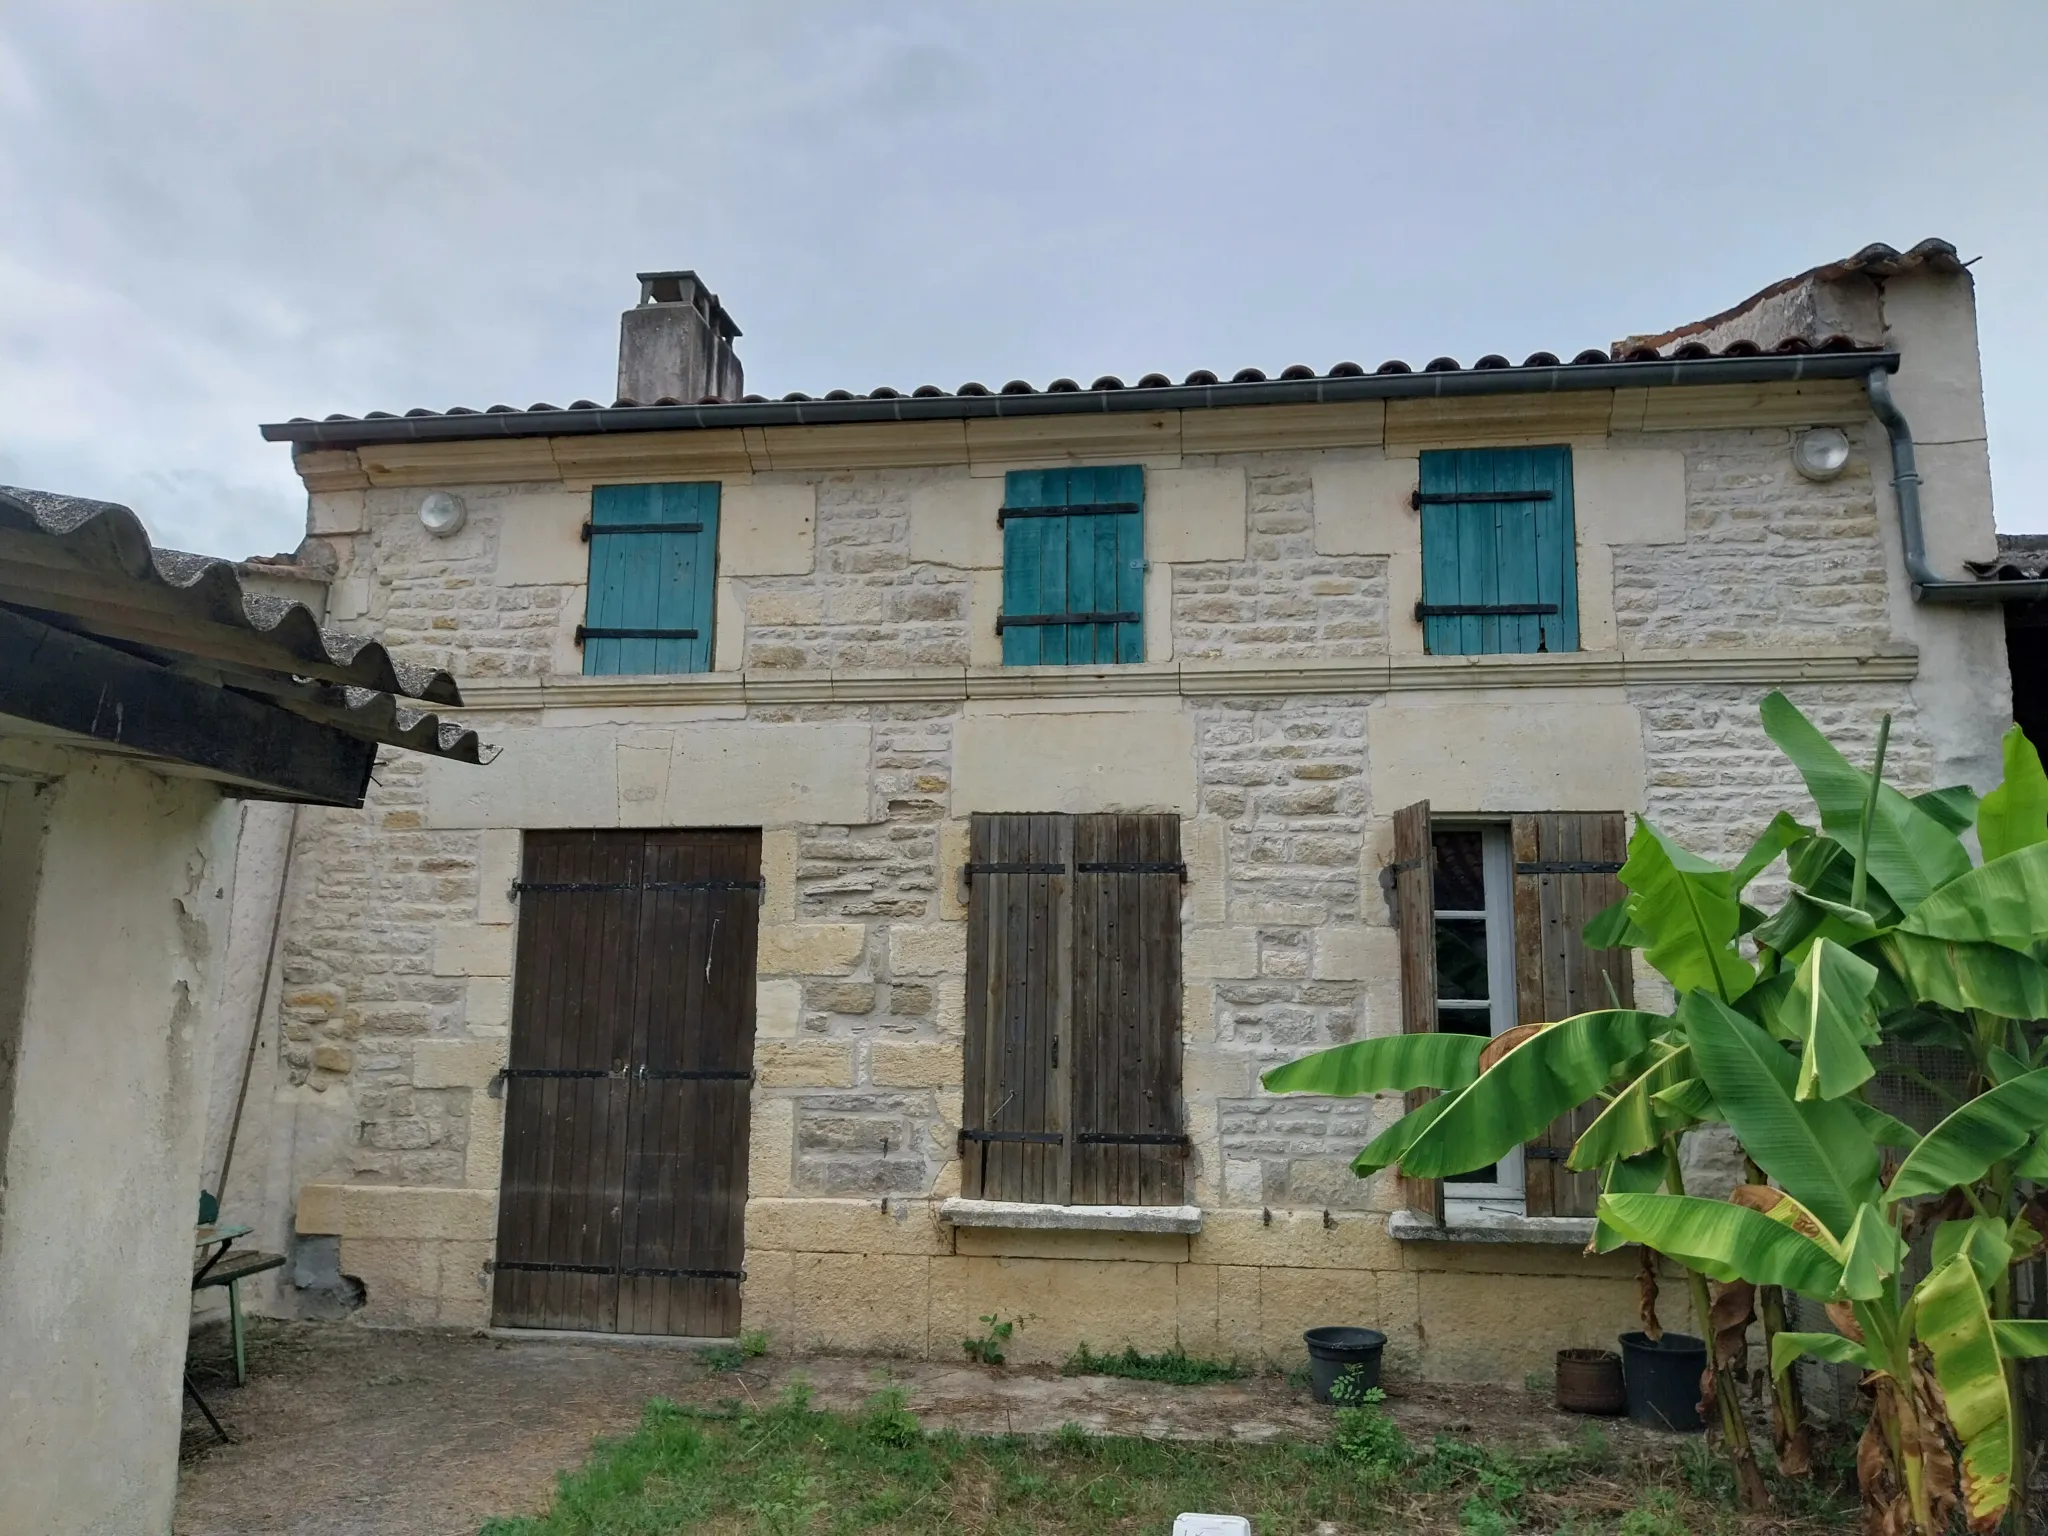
[114,889]
[858,713]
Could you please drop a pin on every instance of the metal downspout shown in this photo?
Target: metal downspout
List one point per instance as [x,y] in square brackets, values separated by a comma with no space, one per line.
[1928,587]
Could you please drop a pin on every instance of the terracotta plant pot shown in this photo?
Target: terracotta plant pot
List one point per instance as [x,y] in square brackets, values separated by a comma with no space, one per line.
[1589,1381]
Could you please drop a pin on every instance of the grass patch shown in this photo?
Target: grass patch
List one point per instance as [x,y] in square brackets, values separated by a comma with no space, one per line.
[725,1358]
[787,1468]
[1176,1366]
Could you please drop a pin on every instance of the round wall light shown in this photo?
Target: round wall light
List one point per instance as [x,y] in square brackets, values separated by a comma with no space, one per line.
[1822,453]
[442,515]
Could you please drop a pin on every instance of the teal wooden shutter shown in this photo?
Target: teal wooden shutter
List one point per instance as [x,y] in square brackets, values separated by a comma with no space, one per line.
[1078,548]
[653,579]
[1497,534]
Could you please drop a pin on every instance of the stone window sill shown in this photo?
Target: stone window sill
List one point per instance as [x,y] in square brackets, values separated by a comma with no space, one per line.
[1071,1218]
[1491,1227]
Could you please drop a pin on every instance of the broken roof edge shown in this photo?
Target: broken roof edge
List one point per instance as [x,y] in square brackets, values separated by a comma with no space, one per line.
[109,539]
[1876,260]
[1837,358]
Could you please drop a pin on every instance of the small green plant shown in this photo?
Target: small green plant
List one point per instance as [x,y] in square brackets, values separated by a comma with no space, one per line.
[1071,1437]
[1538,1381]
[889,1421]
[1297,1377]
[725,1358]
[1594,1449]
[1176,1366]
[1367,1437]
[1479,1518]
[990,1345]
[1657,1515]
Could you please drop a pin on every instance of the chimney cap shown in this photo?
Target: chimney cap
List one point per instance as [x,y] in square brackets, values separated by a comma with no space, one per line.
[684,286]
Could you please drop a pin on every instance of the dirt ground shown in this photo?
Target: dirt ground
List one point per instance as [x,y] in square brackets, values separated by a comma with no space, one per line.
[345,1430]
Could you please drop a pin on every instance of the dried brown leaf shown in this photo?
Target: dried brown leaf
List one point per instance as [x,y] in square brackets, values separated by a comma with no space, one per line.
[1646,1295]
[1506,1041]
[1843,1316]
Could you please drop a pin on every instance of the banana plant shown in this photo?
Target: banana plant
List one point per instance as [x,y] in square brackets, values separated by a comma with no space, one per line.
[1891,931]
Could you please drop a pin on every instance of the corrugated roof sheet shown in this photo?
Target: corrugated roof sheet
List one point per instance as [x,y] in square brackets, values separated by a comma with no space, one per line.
[89,566]
[2021,557]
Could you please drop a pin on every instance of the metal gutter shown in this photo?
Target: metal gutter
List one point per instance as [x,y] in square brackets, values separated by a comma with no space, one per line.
[1326,390]
[1929,586]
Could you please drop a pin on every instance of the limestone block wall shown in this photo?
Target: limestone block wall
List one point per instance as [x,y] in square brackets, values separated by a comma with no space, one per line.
[858,714]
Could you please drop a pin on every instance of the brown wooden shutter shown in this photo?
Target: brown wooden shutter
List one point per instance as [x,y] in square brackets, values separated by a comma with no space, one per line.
[1566,866]
[1415,909]
[1073,1052]
[1019,917]
[1128,1147]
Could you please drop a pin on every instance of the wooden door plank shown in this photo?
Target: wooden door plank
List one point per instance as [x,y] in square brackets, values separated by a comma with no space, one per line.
[1415,896]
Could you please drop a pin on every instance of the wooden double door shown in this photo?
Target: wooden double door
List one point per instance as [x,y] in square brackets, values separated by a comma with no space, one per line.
[624,1188]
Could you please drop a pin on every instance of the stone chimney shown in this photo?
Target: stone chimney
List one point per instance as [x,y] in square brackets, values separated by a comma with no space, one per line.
[676,344]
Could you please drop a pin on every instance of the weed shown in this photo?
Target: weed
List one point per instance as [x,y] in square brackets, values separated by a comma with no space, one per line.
[1071,1437]
[721,1358]
[752,1342]
[752,1469]
[889,1420]
[1298,1377]
[1368,1438]
[1594,1448]
[987,1347]
[1538,1381]
[1657,1515]
[1175,1366]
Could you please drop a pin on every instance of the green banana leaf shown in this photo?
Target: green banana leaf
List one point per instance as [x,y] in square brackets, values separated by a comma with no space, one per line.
[1961,1149]
[1784,832]
[2005,1066]
[1686,1101]
[1548,1074]
[1874,1253]
[1827,1011]
[2015,815]
[2002,902]
[1783,1209]
[1805,918]
[1883,1128]
[1687,911]
[1387,1148]
[1831,1347]
[1725,1241]
[1642,1174]
[1984,1240]
[1911,852]
[1611,928]
[1632,1123]
[1815,1148]
[1387,1064]
[1954,807]
[1954,1322]
[2033,1162]
[1822,867]
[1966,976]
[2018,1339]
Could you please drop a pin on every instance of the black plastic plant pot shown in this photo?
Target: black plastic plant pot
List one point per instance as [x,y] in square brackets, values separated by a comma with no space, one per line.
[1663,1380]
[1349,1355]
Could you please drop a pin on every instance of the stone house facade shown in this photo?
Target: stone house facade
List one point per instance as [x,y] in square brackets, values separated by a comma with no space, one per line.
[1260,676]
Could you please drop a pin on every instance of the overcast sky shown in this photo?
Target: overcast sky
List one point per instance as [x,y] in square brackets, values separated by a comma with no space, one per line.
[222,214]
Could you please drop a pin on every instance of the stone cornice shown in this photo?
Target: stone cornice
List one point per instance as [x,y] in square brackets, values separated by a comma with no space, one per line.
[1760,668]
